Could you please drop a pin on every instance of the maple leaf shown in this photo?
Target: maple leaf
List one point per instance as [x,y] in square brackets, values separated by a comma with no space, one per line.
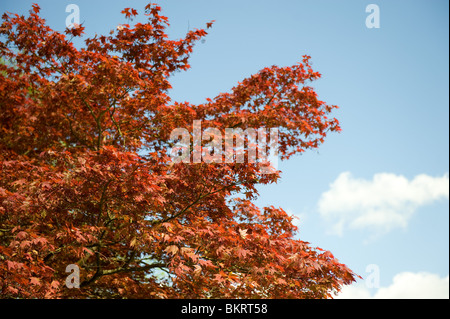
[206,263]
[197,270]
[172,249]
[243,233]
[54,284]
[126,11]
[35,281]
[19,182]
[10,264]
[22,235]
[242,253]
[40,241]
[220,277]
[133,242]
[12,290]
[36,8]
[76,31]
[129,12]
[46,185]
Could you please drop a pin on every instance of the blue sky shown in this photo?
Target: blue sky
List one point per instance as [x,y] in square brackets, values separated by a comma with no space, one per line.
[391,209]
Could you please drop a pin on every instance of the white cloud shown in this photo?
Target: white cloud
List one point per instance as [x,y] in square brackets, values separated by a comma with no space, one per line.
[387,201]
[406,285]
[354,291]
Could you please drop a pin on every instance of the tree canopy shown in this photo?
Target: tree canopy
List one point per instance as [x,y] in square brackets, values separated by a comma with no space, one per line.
[86,177]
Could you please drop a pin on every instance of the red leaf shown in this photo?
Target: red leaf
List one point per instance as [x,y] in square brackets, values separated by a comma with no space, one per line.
[10,264]
[35,281]
[171,249]
[76,30]
[12,290]
[19,182]
[36,8]
[22,235]
[14,265]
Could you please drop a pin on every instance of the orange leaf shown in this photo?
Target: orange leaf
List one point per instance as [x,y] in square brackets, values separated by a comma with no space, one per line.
[172,249]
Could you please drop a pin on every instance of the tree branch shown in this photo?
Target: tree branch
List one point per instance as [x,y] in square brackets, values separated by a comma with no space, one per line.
[193,203]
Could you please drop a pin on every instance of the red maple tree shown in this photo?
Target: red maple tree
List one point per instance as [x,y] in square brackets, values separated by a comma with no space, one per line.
[86,178]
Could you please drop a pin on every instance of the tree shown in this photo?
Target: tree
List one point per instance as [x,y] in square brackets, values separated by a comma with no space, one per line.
[86,178]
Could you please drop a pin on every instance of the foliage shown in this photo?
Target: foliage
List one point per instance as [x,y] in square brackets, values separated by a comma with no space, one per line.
[86,178]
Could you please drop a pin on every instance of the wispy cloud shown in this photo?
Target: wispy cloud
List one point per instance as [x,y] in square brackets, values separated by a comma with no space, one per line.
[405,285]
[386,202]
